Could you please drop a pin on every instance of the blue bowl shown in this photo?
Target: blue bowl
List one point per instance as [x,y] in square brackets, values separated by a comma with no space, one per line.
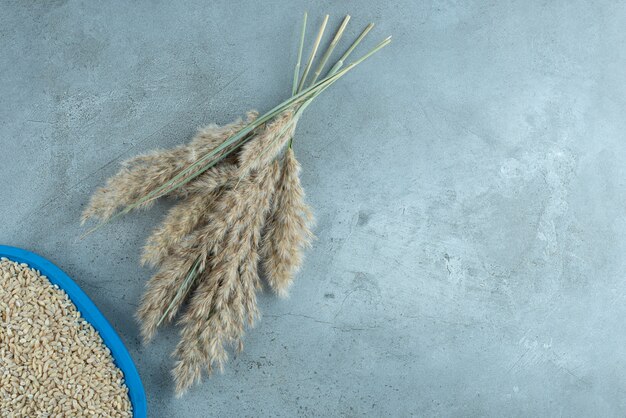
[90,312]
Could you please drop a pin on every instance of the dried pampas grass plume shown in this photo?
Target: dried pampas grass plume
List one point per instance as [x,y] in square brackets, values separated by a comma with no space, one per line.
[144,173]
[160,301]
[225,300]
[288,229]
[267,144]
[180,222]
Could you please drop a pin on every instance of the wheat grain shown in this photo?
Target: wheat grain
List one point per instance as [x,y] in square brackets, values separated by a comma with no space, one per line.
[52,362]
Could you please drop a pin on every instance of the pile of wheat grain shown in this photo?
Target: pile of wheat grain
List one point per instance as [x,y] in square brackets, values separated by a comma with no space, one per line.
[241,206]
[52,362]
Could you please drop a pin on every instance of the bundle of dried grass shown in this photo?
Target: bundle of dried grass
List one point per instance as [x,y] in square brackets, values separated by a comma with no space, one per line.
[241,204]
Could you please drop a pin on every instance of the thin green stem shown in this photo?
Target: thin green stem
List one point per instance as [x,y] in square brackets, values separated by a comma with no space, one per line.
[330,48]
[313,53]
[346,54]
[182,290]
[374,50]
[296,72]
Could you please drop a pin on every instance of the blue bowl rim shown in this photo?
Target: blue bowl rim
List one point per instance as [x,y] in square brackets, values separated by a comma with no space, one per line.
[91,314]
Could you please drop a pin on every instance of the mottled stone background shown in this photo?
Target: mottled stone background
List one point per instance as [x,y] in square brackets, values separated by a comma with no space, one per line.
[469,184]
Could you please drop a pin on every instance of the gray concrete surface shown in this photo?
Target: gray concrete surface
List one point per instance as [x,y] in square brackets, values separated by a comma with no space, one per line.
[469,184]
